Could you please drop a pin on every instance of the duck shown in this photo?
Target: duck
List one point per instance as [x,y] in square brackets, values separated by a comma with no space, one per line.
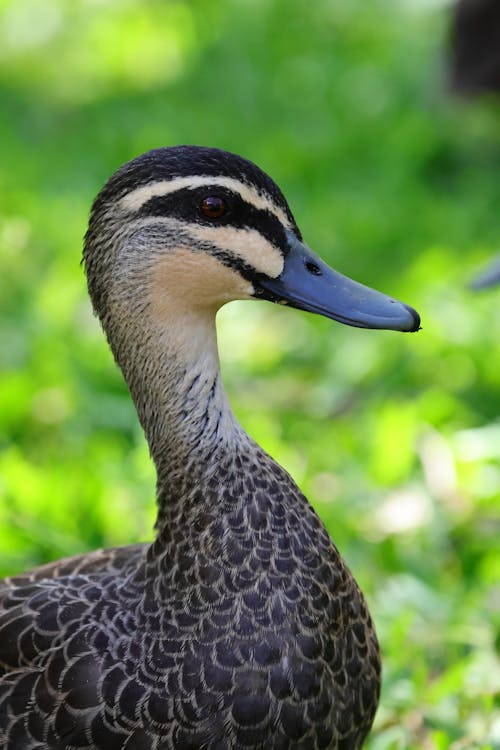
[239,626]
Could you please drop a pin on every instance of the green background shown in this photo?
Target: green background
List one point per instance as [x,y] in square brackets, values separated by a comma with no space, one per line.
[394,438]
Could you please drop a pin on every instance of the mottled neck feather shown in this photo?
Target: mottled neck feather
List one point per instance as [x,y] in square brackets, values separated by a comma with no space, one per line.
[165,342]
[182,405]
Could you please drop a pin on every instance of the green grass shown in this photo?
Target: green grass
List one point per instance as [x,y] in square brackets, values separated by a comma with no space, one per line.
[394,438]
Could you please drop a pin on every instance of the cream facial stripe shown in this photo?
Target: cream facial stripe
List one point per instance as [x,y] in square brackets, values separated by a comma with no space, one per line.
[134,200]
[247,245]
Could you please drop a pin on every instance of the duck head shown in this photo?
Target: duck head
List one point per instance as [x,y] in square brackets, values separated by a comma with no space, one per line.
[190,228]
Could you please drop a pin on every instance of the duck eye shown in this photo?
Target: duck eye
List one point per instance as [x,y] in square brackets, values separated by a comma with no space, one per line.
[213,207]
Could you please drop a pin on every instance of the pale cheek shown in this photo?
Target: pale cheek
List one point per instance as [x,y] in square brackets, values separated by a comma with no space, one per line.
[185,281]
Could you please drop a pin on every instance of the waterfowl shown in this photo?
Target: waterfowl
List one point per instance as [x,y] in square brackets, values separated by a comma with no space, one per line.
[240,626]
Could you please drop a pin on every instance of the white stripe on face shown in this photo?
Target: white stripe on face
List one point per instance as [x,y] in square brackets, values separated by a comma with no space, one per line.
[244,244]
[134,200]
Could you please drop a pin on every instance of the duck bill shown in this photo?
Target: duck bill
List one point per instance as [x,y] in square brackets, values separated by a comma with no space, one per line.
[308,283]
[488,277]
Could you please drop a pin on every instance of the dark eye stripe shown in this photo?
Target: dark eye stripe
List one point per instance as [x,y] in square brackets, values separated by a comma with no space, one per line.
[234,262]
[184,206]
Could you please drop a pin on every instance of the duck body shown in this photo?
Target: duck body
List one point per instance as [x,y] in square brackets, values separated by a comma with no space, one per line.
[240,626]
[224,637]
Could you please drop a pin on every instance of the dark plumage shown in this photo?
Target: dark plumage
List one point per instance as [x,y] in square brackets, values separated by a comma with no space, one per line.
[240,626]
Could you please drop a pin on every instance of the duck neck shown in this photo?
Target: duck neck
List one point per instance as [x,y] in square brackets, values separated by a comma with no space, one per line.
[174,379]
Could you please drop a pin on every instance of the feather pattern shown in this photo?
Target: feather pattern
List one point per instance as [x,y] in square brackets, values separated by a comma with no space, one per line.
[240,626]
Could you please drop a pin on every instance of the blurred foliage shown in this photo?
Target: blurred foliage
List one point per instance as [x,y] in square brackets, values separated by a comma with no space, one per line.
[395,438]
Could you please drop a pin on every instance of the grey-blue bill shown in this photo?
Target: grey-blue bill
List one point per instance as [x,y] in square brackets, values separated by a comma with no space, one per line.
[308,283]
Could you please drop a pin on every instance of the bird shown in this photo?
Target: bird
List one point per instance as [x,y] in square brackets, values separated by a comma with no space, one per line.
[239,626]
